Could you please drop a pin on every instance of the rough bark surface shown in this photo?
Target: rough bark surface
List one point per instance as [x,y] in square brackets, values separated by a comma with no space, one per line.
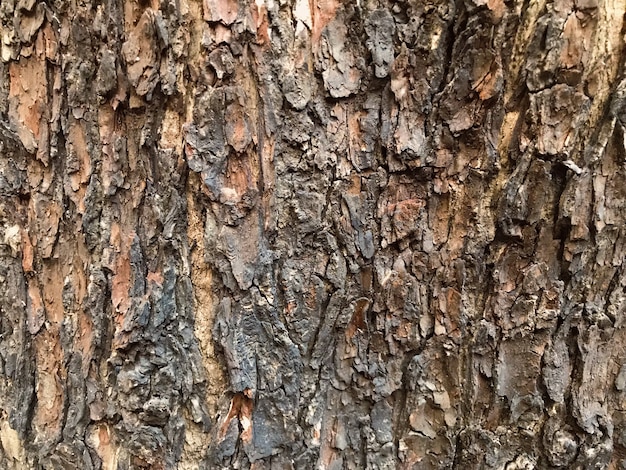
[296,234]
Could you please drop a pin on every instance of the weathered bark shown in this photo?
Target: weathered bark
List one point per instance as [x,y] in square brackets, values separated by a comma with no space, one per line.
[312,234]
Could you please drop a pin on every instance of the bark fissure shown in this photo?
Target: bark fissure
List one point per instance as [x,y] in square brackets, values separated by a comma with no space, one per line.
[312,234]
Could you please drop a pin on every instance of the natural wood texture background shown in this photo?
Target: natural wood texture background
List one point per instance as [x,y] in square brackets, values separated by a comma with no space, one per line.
[299,234]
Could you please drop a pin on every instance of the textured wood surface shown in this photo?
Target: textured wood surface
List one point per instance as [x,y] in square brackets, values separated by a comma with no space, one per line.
[298,234]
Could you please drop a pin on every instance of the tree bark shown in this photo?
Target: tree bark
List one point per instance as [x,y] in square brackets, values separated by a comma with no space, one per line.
[289,234]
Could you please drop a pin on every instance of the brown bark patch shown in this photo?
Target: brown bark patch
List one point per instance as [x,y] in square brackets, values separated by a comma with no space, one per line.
[324,12]
[27,99]
[241,407]
[224,11]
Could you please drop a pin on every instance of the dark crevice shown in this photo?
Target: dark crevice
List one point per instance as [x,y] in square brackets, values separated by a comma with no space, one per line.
[562,230]
[613,284]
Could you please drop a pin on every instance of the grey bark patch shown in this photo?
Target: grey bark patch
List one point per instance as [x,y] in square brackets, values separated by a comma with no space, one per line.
[380,30]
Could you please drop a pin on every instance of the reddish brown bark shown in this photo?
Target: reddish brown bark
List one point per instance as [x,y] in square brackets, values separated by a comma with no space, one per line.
[312,234]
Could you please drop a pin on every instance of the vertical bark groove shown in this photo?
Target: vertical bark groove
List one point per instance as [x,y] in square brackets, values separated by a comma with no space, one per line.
[312,234]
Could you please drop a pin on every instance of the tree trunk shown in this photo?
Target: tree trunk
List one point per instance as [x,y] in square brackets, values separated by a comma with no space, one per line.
[298,234]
